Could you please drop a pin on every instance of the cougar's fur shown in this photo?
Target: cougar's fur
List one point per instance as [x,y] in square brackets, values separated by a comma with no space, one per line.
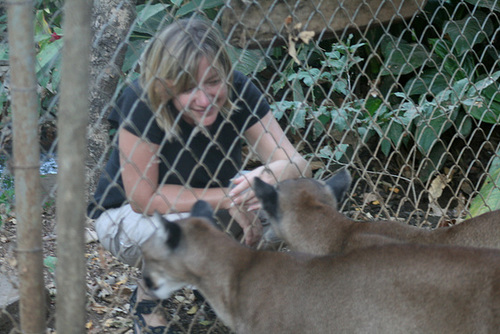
[399,288]
[303,213]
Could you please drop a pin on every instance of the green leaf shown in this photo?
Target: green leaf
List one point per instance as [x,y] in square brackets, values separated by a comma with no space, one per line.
[298,93]
[340,86]
[4,51]
[196,5]
[372,104]
[411,113]
[459,90]
[402,57]
[340,151]
[463,123]
[492,92]
[48,64]
[389,131]
[150,17]
[430,128]
[298,120]
[450,63]
[434,162]
[482,103]
[483,84]
[280,84]
[318,129]
[431,81]
[488,198]
[339,119]
[395,132]
[41,25]
[337,154]
[247,61]
[335,54]
[325,153]
[279,108]
[50,262]
[489,4]
[309,77]
[466,33]
[48,55]
[133,54]
[56,79]
[145,12]
[485,111]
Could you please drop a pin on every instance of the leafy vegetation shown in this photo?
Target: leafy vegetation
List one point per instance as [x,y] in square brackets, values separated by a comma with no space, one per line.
[6,196]
[447,74]
[317,86]
[152,17]
[49,39]
[488,198]
[50,262]
[452,84]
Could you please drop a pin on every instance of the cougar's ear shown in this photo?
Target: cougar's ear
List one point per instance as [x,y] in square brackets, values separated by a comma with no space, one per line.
[203,210]
[268,197]
[172,230]
[339,184]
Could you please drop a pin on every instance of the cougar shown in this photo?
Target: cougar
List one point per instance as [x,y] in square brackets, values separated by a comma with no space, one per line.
[303,213]
[400,288]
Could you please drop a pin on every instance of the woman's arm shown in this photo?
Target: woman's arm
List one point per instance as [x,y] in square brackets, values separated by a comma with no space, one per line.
[281,160]
[139,163]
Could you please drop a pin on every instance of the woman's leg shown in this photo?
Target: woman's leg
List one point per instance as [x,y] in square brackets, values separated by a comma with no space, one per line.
[122,231]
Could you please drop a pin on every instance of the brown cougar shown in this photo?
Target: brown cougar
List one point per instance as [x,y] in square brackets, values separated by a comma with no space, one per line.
[400,288]
[303,213]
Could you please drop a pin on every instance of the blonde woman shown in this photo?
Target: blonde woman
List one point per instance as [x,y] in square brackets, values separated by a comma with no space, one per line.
[180,129]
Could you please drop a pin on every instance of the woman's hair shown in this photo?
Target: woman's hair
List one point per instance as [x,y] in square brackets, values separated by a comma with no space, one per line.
[170,63]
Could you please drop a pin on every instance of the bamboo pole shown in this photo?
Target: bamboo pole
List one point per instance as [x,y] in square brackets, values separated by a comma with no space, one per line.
[72,124]
[26,165]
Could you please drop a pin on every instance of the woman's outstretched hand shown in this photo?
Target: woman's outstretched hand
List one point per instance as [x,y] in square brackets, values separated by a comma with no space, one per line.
[242,192]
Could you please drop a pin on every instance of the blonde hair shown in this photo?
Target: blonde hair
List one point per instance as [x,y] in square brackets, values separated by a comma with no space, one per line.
[170,63]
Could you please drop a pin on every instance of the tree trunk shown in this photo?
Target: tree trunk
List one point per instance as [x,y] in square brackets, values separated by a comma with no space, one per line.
[257,24]
[112,20]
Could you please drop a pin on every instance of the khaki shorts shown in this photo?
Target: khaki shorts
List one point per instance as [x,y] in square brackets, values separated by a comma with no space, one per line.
[122,231]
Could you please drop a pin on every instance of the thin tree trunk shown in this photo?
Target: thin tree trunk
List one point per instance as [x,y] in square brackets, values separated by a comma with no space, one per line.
[112,20]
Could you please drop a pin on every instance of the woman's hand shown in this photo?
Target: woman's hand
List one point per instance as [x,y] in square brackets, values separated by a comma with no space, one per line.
[242,192]
[249,222]
[281,161]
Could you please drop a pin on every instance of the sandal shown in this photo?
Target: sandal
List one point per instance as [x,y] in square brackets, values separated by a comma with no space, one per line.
[141,308]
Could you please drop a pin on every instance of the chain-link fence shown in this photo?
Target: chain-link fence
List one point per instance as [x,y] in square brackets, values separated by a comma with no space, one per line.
[402,93]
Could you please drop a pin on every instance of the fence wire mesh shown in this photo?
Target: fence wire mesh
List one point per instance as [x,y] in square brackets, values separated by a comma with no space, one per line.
[404,94]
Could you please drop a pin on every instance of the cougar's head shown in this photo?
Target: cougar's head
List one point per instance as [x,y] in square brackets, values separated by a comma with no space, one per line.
[296,201]
[166,252]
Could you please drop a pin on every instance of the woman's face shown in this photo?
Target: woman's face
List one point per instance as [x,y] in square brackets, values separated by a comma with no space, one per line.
[202,104]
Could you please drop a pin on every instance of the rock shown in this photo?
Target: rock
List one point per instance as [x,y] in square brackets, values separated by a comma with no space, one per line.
[9,303]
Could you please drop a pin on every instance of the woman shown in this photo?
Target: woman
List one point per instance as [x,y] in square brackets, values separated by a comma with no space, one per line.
[179,130]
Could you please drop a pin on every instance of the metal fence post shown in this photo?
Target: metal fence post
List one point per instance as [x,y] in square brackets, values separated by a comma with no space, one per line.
[72,125]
